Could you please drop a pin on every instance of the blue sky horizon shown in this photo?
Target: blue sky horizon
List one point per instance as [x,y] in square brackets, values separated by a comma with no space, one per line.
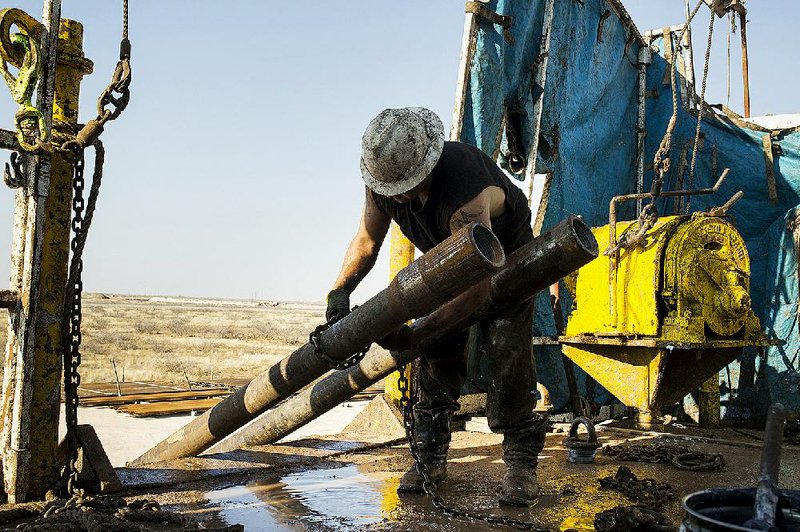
[234,172]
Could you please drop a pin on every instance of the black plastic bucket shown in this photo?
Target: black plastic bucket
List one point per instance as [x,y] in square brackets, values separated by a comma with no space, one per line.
[720,510]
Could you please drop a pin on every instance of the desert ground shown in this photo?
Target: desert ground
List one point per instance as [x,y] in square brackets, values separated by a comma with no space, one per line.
[157,338]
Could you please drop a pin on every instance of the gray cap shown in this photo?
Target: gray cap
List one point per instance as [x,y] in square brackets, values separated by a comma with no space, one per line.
[399,149]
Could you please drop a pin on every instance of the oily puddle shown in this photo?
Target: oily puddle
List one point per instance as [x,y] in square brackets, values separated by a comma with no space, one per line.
[334,499]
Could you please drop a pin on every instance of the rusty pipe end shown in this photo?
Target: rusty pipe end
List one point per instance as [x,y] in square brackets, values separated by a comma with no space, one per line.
[464,259]
[486,244]
[584,238]
[461,260]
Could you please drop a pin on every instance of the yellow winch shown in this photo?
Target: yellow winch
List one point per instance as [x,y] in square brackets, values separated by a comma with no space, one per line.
[654,320]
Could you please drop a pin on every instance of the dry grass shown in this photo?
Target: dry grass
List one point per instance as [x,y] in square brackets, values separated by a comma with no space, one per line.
[149,338]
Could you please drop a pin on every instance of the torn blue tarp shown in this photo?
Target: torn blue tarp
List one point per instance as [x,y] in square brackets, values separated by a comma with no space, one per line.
[588,142]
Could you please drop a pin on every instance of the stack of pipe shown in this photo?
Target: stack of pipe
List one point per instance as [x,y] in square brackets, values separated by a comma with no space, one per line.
[441,274]
[529,270]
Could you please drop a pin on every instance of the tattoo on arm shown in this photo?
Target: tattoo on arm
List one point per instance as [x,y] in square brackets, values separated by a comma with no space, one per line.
[465,217]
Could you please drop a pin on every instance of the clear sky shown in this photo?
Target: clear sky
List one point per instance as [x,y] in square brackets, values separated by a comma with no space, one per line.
[234,171]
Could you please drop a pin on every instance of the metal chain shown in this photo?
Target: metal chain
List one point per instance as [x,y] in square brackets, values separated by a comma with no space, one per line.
[325,358]
[72,354]
[83,212]
[676,454]
[106,513]
[648,492]
[428,484]
[114,98]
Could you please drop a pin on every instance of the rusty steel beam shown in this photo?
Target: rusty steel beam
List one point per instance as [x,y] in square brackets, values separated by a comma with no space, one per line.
[745,64]
[40,252]
[442,273]
[529,270]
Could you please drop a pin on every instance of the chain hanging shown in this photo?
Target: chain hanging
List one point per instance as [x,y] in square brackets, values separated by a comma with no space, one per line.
[82,214]
[116,95]
[72,354]
[428,485]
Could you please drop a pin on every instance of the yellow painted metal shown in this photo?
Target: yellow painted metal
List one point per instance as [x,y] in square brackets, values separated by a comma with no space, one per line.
[401,254]
[708,403]
[637,280]
[630,374]
[71,66]
[707,281]
[683,312]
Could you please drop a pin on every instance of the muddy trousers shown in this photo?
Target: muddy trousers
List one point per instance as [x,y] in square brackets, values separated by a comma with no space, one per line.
[511,398]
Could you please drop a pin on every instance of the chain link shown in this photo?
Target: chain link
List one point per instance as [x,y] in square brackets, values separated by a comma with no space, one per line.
[72,353]
[679,455]
[325,358]
[648,492]
[428,484]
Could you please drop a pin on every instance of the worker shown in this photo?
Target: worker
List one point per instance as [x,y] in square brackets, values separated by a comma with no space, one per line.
[432,188]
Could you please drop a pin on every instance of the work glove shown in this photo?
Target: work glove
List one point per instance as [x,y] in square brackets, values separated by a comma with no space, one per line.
[338,305]
[399,340]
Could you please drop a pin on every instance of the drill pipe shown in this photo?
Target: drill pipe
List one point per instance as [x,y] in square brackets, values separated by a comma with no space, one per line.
[439,275]
[532,268]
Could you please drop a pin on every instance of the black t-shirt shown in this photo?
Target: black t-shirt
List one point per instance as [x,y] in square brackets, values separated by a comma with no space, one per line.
[463,172]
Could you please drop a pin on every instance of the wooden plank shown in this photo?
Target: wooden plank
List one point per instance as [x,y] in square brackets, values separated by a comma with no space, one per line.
[169,408]
[151,397]
[95,455]
[132,387]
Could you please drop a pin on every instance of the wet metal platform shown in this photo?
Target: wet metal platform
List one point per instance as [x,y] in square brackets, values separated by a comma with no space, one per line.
[349,482]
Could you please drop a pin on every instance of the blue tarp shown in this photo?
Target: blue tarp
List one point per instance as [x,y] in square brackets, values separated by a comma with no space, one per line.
[589,143]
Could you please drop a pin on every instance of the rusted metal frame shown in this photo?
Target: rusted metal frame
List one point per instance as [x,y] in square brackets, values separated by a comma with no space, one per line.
[468,44]
[683,162]
[627,21]
[745,63]
[450,268]
[794,227]
[529,270]
[624,341]
[769,168]
[538,105]
[569,365]
[22,330]
[612,230]
[541,211]
[645,58]
[478,8]
[688,51]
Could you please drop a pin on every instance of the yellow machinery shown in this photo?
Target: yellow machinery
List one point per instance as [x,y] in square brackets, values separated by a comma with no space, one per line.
[653,321]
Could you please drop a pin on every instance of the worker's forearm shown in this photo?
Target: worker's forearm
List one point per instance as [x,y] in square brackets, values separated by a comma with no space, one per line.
[357,264]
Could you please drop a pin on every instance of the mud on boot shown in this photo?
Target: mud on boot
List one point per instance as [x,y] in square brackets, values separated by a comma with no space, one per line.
[411,482]
[519,486]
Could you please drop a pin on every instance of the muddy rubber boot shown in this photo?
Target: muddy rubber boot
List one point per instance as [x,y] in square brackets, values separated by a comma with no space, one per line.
[519,486]
[520,453]
[411,482]
[432,433]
